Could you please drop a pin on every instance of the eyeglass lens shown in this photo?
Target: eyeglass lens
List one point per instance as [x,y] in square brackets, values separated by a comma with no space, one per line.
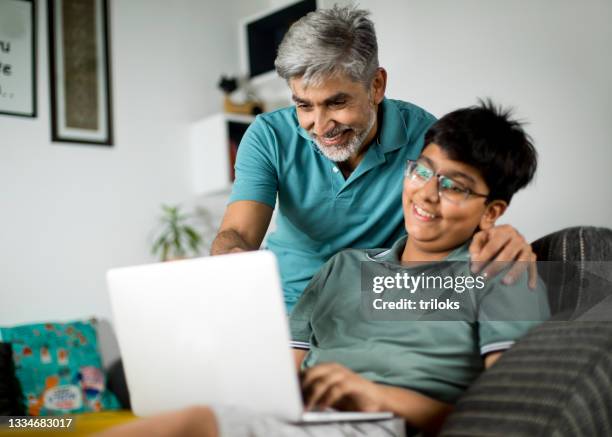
[420,174]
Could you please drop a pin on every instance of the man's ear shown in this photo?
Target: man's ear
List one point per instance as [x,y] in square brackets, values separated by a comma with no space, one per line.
[379,85]
[493,211]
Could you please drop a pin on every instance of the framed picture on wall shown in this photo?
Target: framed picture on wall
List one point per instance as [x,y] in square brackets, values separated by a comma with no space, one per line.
[81,103]
[18,57]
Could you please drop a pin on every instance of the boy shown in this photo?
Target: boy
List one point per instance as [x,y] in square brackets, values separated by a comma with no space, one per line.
[473,162]
[475,159]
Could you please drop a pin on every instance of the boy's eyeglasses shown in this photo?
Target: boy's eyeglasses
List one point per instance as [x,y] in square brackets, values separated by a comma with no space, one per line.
[448,189]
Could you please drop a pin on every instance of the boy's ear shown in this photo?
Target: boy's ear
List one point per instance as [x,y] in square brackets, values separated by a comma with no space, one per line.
[494,211]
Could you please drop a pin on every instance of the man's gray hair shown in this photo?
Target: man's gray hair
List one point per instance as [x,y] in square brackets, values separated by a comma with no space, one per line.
[340,40]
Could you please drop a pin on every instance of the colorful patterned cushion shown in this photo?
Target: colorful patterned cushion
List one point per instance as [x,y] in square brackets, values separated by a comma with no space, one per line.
[59,368]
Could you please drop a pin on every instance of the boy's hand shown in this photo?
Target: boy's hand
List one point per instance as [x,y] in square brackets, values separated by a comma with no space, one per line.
[493,249]
[333,385]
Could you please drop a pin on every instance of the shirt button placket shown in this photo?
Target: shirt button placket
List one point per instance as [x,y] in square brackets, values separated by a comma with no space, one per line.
[336,185]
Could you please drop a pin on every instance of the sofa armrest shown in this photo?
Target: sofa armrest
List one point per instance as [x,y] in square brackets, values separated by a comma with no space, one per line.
[555,381]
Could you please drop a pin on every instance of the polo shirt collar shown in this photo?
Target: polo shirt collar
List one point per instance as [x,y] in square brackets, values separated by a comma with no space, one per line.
[392,131]
[394,254]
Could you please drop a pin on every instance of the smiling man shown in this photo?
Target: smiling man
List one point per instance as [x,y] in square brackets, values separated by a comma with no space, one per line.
[333,160]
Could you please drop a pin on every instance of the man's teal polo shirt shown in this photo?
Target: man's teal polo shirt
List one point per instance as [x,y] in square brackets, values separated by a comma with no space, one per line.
[319,211]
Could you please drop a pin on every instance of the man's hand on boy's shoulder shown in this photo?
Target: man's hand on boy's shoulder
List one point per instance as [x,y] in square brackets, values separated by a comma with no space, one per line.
[333,385]
[492,249]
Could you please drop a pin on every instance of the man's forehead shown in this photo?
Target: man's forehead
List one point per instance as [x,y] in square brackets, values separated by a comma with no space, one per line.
[324,89]
[340,95]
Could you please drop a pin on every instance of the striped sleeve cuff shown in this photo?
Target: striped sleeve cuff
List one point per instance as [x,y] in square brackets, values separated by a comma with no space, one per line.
[496,347]
[300,345]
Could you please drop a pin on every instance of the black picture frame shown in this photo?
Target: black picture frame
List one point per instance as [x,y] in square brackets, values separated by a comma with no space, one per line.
[12,60]
[80,72]
[264,35]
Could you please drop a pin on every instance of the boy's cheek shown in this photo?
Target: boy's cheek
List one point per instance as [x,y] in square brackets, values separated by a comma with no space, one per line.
[407,194]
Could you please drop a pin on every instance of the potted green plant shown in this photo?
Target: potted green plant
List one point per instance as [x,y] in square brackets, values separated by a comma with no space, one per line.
[176,239]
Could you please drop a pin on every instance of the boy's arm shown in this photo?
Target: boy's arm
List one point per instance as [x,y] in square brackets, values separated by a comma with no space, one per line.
[418,410]
[299,320]
[298,355]
[491,358]
[333,385]
[506,313]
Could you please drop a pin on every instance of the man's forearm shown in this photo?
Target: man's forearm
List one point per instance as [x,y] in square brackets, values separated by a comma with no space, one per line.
[229,241]
[418,410]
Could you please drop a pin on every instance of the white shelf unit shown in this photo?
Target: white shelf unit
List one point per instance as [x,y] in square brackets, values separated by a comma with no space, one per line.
[211,142]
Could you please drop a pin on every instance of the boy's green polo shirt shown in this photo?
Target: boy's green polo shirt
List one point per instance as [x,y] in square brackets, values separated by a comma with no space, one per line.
[319,212]
[437,358]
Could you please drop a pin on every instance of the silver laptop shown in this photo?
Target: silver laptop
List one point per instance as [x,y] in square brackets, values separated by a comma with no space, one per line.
[210,331]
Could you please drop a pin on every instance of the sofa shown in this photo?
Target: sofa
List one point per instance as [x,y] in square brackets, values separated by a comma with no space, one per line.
[557,380]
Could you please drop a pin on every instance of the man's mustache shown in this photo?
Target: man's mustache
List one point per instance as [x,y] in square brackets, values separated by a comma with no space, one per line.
[333,132]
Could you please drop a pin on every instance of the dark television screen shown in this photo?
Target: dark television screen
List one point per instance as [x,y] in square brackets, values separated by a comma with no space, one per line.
[265,35]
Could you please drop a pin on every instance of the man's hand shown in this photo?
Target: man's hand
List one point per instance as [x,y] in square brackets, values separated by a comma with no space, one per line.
[493,249]
[333,385]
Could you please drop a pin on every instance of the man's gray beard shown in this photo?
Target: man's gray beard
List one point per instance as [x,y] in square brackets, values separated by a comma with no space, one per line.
[345,151]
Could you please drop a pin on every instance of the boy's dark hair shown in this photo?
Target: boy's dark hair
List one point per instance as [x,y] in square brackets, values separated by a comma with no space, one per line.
[487,138]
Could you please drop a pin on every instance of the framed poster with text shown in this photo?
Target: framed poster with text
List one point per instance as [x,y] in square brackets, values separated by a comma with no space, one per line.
[81,109]
[18,57]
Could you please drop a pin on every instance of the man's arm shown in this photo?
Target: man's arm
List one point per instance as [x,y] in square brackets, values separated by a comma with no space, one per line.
[243,227]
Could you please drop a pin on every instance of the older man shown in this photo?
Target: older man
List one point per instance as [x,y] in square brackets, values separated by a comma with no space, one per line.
[335,160]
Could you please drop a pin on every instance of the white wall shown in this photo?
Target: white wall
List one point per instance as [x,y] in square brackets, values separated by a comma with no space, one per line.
[70,212]
[550,59]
